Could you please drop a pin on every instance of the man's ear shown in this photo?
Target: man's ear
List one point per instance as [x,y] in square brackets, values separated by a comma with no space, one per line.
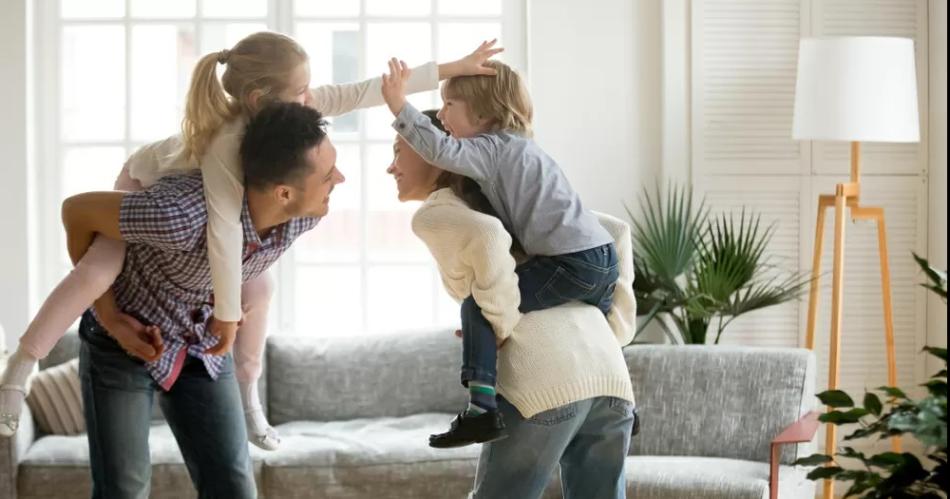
[283,195]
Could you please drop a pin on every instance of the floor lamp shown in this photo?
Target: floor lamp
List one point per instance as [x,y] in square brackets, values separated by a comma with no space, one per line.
[854,89]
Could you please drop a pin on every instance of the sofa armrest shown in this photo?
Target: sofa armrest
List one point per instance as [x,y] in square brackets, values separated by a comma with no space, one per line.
[800,431]
[12,450]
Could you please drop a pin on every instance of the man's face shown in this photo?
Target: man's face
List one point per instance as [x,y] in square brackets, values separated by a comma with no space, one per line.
[311,196]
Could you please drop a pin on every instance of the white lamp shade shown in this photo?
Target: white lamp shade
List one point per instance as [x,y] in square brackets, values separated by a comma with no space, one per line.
[856,89]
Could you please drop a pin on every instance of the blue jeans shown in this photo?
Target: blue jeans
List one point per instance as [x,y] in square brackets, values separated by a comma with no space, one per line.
[589,439]
[545,282]
[205,416]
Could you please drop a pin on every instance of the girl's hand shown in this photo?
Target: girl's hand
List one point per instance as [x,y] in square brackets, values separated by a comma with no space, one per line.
[472,64]
[226,332]
[394,85]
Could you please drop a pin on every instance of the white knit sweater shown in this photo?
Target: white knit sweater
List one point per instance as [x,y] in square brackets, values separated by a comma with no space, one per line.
[551,357]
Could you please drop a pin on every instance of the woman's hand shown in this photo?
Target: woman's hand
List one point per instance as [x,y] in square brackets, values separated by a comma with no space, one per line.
[394,85]
[472,64]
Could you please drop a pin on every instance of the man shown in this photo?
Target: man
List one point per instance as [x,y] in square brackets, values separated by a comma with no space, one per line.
[290,170]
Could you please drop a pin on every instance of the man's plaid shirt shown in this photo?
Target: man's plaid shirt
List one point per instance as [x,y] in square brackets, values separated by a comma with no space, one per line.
[166,279]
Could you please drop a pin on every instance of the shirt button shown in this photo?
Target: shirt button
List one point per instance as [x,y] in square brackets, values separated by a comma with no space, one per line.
[401,126]
[197,316]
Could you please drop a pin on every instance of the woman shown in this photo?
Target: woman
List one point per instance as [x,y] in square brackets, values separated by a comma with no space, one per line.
[565,393]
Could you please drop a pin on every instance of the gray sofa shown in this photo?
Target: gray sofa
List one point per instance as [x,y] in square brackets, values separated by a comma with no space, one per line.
[351,429]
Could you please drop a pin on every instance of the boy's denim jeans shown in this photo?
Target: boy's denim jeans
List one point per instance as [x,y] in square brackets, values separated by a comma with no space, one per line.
[204,414]
[589,439]
[545,282]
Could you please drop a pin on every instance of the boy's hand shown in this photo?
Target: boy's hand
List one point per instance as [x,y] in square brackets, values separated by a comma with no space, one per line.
[394,85]
[226,332]
[472,64]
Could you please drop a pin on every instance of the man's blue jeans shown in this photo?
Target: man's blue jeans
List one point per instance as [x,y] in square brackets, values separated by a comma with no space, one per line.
[204,414]
[545,282]
[589,439]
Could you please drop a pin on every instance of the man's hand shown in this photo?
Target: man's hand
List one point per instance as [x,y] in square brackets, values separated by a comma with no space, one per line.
[226,332]
[472,64]
[394,85]
[137,339]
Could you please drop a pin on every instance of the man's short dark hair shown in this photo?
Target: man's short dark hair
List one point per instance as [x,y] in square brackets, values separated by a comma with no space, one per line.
[276,142]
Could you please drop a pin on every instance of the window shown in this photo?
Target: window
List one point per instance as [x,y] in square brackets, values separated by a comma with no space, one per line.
[115,75]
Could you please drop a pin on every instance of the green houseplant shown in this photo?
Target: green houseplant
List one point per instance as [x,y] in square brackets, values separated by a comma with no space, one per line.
[692,268]
[891,474]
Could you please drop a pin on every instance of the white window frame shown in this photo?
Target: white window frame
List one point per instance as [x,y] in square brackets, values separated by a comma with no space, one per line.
[280,17]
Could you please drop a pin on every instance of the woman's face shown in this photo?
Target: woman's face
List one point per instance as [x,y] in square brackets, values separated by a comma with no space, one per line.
[415,179]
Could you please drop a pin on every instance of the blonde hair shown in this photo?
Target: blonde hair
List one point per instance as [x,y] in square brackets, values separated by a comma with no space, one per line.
[262,61]
[502,98]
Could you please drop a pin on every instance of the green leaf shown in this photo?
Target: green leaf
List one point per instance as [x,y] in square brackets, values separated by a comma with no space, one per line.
[872,403]
[886,459]
[813,460]
[940,353]
[824,472]
[835,398]
[846,417]
[893,392]
[936,387]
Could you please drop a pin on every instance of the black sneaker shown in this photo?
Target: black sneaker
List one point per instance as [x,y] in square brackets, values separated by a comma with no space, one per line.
[468,430]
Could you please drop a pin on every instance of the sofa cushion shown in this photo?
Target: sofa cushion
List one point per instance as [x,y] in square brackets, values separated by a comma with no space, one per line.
[719,401]
[58,466]
[379,458]
[676,477]
[56,399]
[334,379]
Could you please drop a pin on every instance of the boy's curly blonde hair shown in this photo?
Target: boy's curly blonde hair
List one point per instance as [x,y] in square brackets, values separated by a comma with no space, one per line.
[502,99]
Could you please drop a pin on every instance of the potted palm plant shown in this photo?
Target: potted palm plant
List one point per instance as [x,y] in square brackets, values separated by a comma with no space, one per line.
[693,268]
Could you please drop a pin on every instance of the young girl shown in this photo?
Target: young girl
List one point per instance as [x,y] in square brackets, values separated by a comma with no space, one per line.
[571,257]
[262,68]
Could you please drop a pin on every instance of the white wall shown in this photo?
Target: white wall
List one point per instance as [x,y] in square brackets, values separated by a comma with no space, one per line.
[594,71]
[15,230]
[937,316]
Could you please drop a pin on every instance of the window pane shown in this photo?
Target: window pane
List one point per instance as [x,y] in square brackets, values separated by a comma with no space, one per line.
[400,298]
[447,312]
[337,237]
[79,9]
[400,8]
[389,222]
[410,42]
[93,86]
[234,8]
[90,169]
[470,8]
[334,59]
[220,36]
[162,60]
[459,39]
[327,300]
[163,9]
[327,8]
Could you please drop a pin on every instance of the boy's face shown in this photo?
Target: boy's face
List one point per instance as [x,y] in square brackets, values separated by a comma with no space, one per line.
[457,117]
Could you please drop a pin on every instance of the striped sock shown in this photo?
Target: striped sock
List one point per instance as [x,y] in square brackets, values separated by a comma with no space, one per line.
[481,398]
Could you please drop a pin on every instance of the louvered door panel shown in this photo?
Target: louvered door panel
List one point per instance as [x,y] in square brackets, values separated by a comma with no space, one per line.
[744,60]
